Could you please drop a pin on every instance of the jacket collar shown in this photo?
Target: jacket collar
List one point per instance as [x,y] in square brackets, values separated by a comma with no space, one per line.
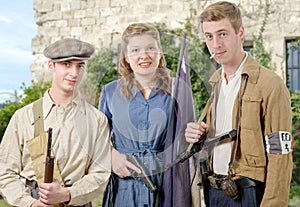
[251,69]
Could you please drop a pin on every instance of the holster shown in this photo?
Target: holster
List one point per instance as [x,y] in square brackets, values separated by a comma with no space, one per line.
[226,184]
[203,165]
[33,187]
[34,190]
[229,187]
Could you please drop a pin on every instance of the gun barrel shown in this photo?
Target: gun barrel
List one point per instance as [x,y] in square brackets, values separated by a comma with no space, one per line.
[143,175]
[146,180]
[49,166]
[49,142]
[197,147]
[211,141]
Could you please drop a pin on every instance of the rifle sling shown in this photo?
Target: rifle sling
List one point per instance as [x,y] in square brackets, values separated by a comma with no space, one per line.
[38,117]
[37,146]
[202,116]
[238,122]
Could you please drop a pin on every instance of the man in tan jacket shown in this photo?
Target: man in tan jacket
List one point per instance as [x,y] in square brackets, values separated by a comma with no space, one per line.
[254,101]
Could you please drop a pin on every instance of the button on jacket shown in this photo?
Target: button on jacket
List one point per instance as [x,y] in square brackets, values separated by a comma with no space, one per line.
[81,146]
[265,108]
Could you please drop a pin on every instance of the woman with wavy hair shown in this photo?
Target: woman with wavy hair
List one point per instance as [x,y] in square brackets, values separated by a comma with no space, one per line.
[137,107]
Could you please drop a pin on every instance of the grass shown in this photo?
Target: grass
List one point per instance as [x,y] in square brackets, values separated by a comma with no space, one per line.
[3,203]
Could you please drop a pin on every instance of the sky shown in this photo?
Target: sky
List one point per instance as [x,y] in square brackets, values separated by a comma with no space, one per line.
[17,28]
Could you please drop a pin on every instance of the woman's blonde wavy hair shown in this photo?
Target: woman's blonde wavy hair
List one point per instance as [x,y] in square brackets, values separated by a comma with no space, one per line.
[127,80]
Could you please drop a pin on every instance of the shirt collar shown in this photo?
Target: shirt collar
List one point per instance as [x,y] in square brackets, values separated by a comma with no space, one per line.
[48,104]
[218,75]
[135,90]
[238,72]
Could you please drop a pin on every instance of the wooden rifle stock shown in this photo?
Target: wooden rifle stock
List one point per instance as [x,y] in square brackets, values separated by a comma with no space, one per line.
[49,166]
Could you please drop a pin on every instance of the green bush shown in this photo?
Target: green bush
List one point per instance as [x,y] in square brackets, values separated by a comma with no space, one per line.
[295,185]
[3,203]
[30,94]
[102,69]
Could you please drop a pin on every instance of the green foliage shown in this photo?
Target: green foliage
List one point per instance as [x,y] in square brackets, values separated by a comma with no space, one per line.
[3,203]
[296,44]
[264,58]
[100,65]
[199,62]
[6,113]
[295,102]
[258,50]
[31,93]
[101,70]
[34,92]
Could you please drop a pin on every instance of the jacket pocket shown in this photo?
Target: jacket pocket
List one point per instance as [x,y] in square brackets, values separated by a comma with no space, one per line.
[252,148]
[255,161]
[251,112]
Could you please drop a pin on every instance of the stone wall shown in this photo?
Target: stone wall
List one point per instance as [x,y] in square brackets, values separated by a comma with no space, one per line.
[101,22]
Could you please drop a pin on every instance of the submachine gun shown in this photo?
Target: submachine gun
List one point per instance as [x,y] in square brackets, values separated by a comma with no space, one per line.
[203,143]
[49,167]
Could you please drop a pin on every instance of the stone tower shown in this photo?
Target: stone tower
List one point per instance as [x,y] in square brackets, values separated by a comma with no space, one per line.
[101,22]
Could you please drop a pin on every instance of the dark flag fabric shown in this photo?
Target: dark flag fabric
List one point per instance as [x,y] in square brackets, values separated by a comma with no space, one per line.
[176,180]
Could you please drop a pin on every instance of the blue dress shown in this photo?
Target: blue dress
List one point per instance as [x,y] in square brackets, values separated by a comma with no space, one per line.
[139,128]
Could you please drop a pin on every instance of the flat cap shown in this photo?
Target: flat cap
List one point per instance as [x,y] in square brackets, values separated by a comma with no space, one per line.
[68,49]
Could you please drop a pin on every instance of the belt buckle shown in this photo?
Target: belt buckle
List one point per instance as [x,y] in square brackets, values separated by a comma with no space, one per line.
[212,181]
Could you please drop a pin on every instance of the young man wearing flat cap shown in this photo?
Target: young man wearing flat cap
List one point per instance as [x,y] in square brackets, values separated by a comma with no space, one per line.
[80,139]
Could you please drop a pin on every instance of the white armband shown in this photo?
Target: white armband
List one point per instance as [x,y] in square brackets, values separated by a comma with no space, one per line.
[279,142]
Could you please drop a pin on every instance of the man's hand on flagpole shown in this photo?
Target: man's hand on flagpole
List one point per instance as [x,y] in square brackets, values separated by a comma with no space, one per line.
[120,164]
[194,131]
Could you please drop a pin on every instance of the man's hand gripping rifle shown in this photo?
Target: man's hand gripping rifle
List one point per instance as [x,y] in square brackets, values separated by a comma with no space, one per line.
[143,175]
[203,143]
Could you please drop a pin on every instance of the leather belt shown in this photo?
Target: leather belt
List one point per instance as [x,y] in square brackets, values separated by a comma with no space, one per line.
[242,182]
[216,180]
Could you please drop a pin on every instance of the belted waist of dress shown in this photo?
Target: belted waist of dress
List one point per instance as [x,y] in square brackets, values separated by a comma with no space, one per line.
[140,152]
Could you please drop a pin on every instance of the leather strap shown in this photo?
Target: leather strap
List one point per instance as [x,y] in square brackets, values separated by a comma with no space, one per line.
[38,117]
[38,145]
[203,114]
[238,123]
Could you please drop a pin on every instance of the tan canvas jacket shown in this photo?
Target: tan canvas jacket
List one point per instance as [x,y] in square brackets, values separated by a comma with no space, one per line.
[265,108]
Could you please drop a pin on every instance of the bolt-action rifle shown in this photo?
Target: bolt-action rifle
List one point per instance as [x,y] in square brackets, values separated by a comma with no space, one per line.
[49,167]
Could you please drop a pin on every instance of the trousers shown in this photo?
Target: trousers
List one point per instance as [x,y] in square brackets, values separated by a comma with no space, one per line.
[247,197]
